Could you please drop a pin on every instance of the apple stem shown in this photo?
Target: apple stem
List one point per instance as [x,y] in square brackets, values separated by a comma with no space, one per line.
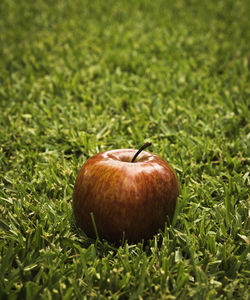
[140,150]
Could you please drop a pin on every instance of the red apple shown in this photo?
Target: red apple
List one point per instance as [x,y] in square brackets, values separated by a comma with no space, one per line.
[130,200]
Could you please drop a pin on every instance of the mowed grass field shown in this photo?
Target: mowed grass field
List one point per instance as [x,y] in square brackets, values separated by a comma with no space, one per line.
[80,77]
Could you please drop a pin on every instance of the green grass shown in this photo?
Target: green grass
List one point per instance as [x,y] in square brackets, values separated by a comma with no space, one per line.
[79,77]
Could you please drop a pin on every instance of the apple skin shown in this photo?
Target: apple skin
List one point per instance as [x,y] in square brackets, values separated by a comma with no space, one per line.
[129,201]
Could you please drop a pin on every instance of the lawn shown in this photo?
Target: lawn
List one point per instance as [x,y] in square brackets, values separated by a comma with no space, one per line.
[80,77]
